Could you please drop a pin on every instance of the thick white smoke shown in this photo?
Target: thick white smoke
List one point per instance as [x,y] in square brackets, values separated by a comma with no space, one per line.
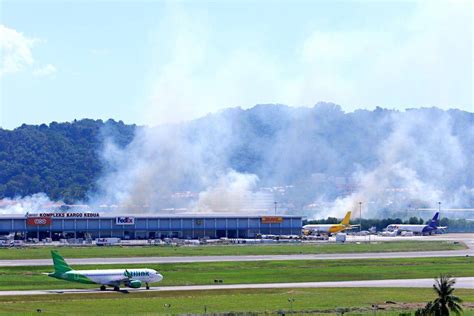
[417,160]
[234,192]
[392,161]
[419,165]
[161,161]
[28,204]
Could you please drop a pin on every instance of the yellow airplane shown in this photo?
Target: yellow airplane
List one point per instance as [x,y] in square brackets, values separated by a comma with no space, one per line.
[329,228]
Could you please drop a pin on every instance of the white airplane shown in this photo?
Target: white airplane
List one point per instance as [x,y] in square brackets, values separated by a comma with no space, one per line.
[133,278]
[329,228]
[428,229]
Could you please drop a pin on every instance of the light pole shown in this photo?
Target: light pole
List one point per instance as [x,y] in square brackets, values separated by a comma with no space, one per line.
[275,207]
[291,300]
[360,217]
[439,214]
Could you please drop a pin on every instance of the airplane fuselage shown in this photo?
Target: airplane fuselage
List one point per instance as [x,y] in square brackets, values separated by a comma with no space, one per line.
[416,229]
[328,228]
[111,277]
[325,228]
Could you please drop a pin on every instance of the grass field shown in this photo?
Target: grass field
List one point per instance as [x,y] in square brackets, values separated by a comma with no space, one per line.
[197,302]
[220,250]
[22,278]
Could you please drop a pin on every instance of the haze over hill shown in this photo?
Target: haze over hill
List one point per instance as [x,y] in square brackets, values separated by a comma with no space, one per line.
[319,159]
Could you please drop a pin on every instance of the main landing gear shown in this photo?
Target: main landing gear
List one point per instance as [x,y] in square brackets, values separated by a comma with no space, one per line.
[102,287]
[116,288]
[147,286]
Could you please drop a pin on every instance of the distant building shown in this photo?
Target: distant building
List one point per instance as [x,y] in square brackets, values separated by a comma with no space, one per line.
[95,225]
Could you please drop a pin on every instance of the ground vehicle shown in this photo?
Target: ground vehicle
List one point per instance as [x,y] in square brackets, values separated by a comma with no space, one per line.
[107,241]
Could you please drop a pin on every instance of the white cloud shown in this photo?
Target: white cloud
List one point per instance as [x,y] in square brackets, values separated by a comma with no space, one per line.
[45,71]
[15,50]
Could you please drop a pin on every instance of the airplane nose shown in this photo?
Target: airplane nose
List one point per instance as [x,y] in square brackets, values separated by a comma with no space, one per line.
[158,277]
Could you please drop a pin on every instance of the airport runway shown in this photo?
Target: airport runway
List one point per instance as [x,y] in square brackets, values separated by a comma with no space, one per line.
[158,260]
[461,283]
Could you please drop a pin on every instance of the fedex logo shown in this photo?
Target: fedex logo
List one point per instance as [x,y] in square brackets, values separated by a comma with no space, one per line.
[125,220]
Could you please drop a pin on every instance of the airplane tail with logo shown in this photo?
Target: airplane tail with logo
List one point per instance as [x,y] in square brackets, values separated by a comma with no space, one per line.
[346,219]
[60,265]
[434,221]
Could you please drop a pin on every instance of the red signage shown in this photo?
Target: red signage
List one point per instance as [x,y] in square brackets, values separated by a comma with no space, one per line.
[38,221]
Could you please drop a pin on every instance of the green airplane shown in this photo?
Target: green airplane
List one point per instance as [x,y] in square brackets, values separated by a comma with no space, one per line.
[133,278]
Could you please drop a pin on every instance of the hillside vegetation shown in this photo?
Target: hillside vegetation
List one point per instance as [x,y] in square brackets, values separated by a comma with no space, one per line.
[61,160]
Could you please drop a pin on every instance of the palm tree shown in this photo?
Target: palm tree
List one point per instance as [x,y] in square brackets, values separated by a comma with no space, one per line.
[446,300]
[424,311]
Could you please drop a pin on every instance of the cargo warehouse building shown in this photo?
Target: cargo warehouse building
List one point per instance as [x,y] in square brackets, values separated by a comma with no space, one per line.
[95,225]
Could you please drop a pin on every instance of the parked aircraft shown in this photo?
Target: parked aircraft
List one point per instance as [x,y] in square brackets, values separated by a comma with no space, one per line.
[428,229]
[329,228]
[133,278]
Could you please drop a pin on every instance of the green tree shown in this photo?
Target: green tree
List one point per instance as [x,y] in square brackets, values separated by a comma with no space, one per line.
[425,311]
[446,301]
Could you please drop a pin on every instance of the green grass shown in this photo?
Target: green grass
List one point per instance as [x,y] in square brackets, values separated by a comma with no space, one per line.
[16,278]
[263,300]
[220,250]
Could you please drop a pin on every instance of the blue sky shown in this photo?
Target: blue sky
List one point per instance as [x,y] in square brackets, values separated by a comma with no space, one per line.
[154,62]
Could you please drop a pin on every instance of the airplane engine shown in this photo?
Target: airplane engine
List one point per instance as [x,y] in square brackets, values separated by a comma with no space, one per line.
[135,284]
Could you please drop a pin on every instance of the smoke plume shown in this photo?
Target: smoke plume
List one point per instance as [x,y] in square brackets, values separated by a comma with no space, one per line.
[421,162]
[317,162]
[327,160]
[165,162]
[28,204]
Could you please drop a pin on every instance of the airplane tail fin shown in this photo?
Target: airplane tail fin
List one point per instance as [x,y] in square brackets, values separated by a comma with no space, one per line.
[346,219]
[60,265]
[434,220]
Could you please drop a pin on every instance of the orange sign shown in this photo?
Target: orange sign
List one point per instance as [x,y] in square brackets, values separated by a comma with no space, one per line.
[38,221]
[272,219]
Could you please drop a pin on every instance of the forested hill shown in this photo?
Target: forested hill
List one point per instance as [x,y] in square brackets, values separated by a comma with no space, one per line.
[320,151]
[60,160]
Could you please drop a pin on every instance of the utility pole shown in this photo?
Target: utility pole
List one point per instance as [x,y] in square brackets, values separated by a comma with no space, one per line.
[439,214]
[360,217]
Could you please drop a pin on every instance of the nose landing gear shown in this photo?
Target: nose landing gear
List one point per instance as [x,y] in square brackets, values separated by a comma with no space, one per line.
[147,286]
[102,287]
